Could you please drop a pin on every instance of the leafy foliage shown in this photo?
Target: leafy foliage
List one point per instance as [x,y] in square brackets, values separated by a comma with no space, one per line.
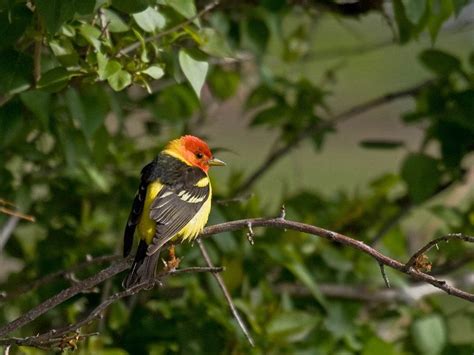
[91,90]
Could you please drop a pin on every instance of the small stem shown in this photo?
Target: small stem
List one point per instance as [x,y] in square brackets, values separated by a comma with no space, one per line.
[384,275]
[226,293]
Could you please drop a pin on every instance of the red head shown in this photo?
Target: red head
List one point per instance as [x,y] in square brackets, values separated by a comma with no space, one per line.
[194,151]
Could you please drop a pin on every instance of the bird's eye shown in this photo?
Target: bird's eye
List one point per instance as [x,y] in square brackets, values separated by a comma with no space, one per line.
[199,155]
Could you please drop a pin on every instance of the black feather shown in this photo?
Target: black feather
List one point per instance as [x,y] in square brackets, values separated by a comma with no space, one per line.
[143,267]
[170,210]
[137,207]
[176,204]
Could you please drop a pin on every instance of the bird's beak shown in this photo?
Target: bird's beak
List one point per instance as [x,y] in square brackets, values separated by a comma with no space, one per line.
[215,162]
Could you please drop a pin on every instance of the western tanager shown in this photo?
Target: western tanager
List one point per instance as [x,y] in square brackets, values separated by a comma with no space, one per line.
[173,202]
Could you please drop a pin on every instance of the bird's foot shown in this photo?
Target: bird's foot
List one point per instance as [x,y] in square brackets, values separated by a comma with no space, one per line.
[173,262]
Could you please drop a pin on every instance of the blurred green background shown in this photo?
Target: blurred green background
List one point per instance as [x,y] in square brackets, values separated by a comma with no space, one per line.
[91,91]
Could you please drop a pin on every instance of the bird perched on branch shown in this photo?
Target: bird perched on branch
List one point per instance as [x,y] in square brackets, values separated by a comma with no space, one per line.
[173,203]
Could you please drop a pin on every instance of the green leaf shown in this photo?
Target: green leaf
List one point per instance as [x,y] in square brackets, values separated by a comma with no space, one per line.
[440,62]
[270,116]
[11,123]
[155,71]
[258,34]
[110,68]
[274,5]
[116,23]
[120,80]
[458,5]
[214,43]
[38,103]
[292,326]
[305,276]
[150,20]
[405,27]
[96,177]
[422,176]
[450,215]
[130,7]
[291,258]
[376,346]
[83,7]
[64,51]
[15,72]
[223,84]
[55,79]
[441,10]
[91,34]
[381,144]
[13,24]
[187,8]
[429,334]
[338,321]
[194,70]
[337,260]
[89,107]
[74,146]
[54,13]
[414,9]
[262,94]
[175,103]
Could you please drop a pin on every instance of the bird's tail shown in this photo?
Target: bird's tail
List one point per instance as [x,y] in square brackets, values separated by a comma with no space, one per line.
[143,268]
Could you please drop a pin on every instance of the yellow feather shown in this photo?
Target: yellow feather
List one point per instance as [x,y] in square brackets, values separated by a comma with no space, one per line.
[147,226]
[203,182]
[197,223]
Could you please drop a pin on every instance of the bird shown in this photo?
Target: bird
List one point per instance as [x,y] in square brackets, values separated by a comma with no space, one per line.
[172,203]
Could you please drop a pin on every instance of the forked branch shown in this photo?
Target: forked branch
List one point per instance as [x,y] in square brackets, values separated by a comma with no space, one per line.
[408,268]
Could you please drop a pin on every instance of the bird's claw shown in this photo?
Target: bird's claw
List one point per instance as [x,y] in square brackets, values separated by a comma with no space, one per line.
[173,262]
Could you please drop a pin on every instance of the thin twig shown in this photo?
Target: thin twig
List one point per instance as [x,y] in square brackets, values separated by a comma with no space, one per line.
[280,223]
[434,242]
[17,214]
[55,335]
[5,98]
[33,285]
[226,293]
[37,54]
[250,234]
[104,24]
[384,275]
[453,264]
[277,154]
[342,239]
[408,294]
[156,37]
[64,295]
[7,230]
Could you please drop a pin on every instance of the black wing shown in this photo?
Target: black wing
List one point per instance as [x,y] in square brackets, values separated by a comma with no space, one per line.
[176,204]
[149,172]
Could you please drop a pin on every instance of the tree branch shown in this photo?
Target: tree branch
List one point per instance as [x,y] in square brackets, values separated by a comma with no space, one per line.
[277,154]
[33,285]
[431,244]
[62,335]
[156,37]
[348,241]
[366,293]
[64,295]
[279,223]
[226,293]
